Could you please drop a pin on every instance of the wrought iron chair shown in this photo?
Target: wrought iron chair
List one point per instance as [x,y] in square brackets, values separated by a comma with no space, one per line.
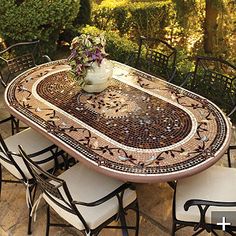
[196,197]
[87,200]
[215,79]
[157,57]
[13,61]
[42,151]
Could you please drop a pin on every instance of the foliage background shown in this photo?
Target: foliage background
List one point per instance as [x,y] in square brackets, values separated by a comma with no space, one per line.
[26,20]
[183,23]
[193,27]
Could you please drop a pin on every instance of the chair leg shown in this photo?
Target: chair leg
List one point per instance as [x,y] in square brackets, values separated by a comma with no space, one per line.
[123,223]
[173,229]
[137,219]
[172,184]
[12,125]
[0,180]
[29,221]
[198,232]
[33,190]
[228,156]
[214,233]
[66,161]
[17,125]
[48,220]
[29,216]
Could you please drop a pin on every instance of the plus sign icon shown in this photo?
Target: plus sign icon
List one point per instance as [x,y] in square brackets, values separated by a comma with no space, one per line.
[224,219]
[223,223]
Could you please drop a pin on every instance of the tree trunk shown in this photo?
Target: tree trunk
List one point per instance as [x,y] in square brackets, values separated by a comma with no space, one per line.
[210,26]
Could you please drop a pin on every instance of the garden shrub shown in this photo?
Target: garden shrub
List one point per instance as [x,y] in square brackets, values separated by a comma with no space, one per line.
[119,48]
[121,19]
[84,15]
[36,19]
[150,19]
[83,18]
[135,19]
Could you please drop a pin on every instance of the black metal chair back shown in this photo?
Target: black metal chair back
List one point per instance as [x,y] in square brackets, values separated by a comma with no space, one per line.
[7,160]
[15,60]
[215,79]
[18,58]
[54,188]
[157,57]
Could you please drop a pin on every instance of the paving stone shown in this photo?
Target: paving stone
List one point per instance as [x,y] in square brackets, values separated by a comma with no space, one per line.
[3,233]
[148,229]
[155,200]
[38,227]
[13,207]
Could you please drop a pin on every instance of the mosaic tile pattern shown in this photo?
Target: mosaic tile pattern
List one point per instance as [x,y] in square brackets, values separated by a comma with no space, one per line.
[125,114]
[139,127]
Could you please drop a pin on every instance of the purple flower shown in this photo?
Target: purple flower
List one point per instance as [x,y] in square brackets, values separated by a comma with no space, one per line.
[87,53]
[94,57]
[85,49]
[72,55]
[79,69]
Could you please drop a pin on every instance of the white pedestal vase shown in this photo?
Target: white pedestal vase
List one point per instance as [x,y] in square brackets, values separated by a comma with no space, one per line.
[98,76]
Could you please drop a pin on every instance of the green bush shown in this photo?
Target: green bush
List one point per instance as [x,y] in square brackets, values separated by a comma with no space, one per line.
[150,19]
[83,18]
[135,19]
[119,48]
[36,19]
[84,15]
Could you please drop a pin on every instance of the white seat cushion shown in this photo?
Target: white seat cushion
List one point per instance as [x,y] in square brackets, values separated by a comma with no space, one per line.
[215,184]
[32,142]
[87,186]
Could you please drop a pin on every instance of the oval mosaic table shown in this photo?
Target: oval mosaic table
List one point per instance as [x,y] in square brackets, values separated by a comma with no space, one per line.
[139,129]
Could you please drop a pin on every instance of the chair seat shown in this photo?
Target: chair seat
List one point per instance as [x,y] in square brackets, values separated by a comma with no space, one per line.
[215,184]
[32,142]
[87,186]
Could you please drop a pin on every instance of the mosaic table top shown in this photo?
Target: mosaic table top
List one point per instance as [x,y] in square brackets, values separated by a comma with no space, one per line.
[139,129]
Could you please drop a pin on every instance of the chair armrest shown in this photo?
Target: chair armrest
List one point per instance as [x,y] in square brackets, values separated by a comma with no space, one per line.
[35,154]
[2,81]
[52,157]
[232,112]
[207,203]
[47,149]
[132,58]
[142,37]
[173,74]
[231,147]
[116,192]
[187,78]
[6,119]
[13,153]
[47,58]
[203,206]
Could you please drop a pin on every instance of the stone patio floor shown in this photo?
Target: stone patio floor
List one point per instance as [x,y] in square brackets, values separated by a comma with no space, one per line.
[155,202]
